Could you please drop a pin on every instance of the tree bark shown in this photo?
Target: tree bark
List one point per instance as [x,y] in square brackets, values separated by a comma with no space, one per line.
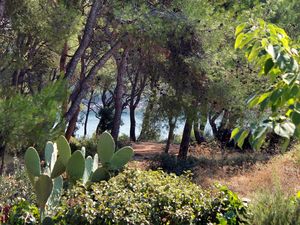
[88,113]
[2,154]
[172,125]
[87,36]
[83,87]
[199,138]
[2,9]
[63,58]
[72,125]
[132,123]
[119,91]
[185,141]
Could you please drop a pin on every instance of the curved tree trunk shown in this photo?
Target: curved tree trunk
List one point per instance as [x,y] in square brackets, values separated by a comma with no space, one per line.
[172,125]
[86,38]
[119,91]
[72,125]
[88,113]
[2,9]
[2,154]
[185,141]
[199,138]
[132,123]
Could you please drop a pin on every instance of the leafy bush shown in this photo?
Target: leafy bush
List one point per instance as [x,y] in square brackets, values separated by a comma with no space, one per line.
[149,197]
[15,186]
[275,208]
[90,144]
[22,213]
[124,140]
[171,164]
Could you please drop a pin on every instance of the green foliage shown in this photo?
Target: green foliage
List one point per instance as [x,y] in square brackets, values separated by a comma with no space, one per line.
[49,184]
[275,208]
[30,120]
[273,53]
[171,164]
[149,197]
[14,187]
[111,160]
[90,144]
[23,213]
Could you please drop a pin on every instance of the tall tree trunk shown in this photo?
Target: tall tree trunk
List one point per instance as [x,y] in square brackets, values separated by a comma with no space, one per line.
[185,141]
[119,91]
[199,138]
[88,113]
[63,58]
[72,125]
[84,86]
[2,154]
[132,123]
[2,9]
[86,38]
[172,125]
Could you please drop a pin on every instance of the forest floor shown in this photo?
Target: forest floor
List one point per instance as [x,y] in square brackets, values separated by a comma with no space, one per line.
[243,172]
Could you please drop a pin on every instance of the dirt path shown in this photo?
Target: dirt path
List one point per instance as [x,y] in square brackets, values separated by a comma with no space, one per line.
[147,150]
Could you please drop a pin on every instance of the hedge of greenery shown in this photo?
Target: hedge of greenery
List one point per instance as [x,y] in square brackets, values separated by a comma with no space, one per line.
[137,197]
[149,197]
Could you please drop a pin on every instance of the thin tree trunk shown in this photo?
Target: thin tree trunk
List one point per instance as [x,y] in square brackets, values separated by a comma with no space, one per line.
[132,123]
[72,125]
[172,125]
[185,141]
[2,9]
[88,113]
[63,58]
[83,87]
[2,153]
[198,136]
[119,91]
[87,36]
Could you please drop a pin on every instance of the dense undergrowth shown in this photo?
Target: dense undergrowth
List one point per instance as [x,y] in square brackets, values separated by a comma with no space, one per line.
[149,197]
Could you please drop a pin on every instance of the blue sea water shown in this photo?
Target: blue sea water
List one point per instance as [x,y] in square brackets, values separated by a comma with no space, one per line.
[125,128]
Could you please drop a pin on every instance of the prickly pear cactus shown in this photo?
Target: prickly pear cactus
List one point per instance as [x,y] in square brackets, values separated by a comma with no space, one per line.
[76,166]
[48,184]
[111,161]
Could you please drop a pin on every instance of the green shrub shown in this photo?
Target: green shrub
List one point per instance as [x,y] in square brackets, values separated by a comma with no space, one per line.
[89,143]
[149,197]
[22,212]
[275,208]
[15,186]
[171,164]
[123,140]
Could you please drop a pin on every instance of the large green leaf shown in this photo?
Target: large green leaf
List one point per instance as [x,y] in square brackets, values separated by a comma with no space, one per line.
[49,149]
[105,148]
[58,169]
[32,162]
[285,129]
[88,169]
[240,28]
[64,150]
[268,65]
[100,174]
[121,157]
[43,188]
[242,138]
[234,132]
[56,191]
[75,167]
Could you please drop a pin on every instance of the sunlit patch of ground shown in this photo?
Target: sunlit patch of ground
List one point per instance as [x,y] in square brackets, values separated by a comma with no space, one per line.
[243,172]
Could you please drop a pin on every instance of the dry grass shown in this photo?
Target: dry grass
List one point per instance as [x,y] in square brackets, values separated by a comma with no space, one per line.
[244,173]
[282,170]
